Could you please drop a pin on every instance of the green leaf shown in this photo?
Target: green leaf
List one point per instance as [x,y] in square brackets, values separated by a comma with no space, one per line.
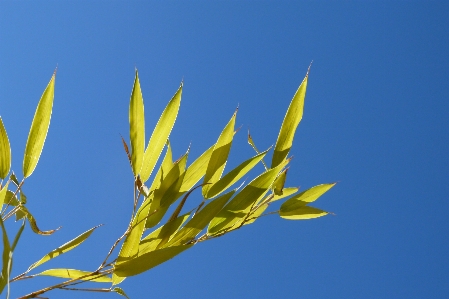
[160,236]
[219,155]
[14,179]
[200,220]
[196,170]
[75,274]
[63,248]
[302,213]
[6,258]
[278,185]
[285,192]
[255,215]
[137,126]
[23,198]
[16,239]
[120,292]
[148,260]
[5,152]
[251,142]
[289,125]
[11,199]
[234,175]
[160,135]
[305,197]
[3,191]
[39,129]
[24,212]
[238,208]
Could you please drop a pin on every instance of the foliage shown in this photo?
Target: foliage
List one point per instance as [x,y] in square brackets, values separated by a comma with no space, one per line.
[224,208]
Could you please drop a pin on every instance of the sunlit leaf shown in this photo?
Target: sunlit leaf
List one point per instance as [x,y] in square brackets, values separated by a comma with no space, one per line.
[63,248]
[5,152]
[137,126]
[155,239]
[302,213]
[285,192]
[33,223]
[200,220]
[236,211]
[219,155]
[3,191]
[196,170]
[39,129]
[253,145]
[160,135]
[75,274]
[234,175]
[289,125]
[305,197]
[148,260]
[254,215]
[120,292]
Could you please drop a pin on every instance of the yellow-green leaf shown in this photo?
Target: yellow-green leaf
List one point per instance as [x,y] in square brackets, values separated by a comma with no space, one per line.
[161,235]
[39,129]
[278,185]
[6,258]
[200,220]
[3,191]
[136,126]
[285,192]
[63,248]
[196,170]
[25,213]
[302,213]
[120,292]
[254,215]
[5,152]
[148,260]
[238,208]
[160,135]
[219,155]
[234,175]
[253,145]
[305,197]
[289,125]
[75,274]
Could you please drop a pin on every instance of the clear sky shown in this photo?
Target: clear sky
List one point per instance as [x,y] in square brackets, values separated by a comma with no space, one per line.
[375,121]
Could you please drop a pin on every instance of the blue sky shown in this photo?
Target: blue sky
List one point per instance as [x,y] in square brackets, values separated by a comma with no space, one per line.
[375,121]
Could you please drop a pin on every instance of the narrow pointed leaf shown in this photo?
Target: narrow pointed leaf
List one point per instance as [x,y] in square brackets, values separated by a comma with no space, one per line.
[302,213]
[196,170]
[148,260]
[285,192]
[278,185]
[5,152]
[153,241]
[63,248]
[234,175]
[253,145]
[238,208]
[305,197]
[74,274]
[120,292]
[200,220]
[24,211]
[160,135]
[16,239]
[39,129]
[289,125]
[136,126]
[255,215]
[3,191]
[219,155]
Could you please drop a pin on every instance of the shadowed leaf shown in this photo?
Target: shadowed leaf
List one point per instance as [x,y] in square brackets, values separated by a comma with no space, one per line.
[33,223]
[39,129]
[120,292]
[6,258]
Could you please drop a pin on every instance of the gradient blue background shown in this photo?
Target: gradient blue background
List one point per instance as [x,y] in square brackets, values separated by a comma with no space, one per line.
[375,121]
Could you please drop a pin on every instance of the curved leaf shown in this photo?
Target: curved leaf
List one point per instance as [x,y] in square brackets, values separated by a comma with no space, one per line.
[289,125]
[39,129]
[148,260]
[63,248]
[160,135]
[136,126]
[302,213]
[23,212]
[305,197]
[219,155]
[74,274]
[5,152]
